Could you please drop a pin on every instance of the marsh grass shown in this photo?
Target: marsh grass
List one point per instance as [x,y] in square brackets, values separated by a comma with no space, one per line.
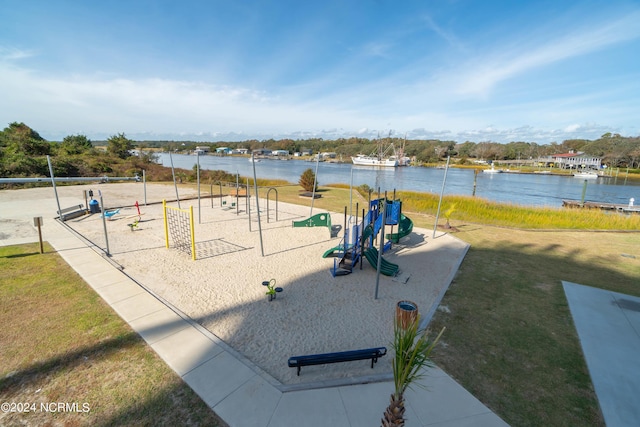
[62,343]
[478,210]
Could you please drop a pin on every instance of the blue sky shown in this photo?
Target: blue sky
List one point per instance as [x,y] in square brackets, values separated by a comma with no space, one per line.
[535,71]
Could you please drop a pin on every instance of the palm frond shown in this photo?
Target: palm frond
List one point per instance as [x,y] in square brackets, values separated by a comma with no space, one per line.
[413,347]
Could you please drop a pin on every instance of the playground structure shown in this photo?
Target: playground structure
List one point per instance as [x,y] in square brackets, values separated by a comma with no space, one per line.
[317,220]
[179,228]
[359,239]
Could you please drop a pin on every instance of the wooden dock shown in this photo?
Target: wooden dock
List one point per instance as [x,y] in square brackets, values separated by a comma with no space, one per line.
[628,208]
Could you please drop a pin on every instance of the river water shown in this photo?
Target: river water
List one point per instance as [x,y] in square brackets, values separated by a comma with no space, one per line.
[517,188]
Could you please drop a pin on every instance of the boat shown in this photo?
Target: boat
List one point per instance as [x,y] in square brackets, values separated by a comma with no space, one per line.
[492,170]
[364,160]
[586,175]
[382,158]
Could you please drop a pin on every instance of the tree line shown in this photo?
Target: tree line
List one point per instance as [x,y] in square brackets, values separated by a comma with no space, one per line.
[614,149]
[23,151]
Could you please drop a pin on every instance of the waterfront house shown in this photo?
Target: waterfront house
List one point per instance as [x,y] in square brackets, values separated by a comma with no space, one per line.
[573,160]
[279,153]
[261,152]
[223,150]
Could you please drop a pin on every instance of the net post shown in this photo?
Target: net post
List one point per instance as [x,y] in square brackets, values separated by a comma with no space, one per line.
[166,223]
[193,234]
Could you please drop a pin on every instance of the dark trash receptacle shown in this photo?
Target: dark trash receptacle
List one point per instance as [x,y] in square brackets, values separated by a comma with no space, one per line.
[94,206]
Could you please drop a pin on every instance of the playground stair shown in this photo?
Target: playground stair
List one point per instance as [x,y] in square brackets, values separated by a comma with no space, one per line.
[345,266]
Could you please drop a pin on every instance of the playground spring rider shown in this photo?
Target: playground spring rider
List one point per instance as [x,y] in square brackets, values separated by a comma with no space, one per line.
[271,289]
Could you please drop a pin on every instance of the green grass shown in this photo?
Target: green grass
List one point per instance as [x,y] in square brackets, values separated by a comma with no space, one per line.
[511,339]
[474,209]
[62,343]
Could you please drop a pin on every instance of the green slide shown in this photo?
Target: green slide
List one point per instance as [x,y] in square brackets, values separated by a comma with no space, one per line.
[387,268]
[405,227]
[334,252]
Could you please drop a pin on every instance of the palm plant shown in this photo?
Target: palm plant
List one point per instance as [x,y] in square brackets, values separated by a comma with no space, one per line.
[448,213]
[413,348]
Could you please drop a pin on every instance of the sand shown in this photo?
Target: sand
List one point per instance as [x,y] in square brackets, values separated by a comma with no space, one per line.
[222,290]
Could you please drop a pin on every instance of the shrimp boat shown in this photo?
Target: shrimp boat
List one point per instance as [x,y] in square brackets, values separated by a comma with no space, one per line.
[382,158]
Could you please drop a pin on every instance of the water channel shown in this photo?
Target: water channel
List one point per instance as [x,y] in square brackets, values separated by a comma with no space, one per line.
[518,188]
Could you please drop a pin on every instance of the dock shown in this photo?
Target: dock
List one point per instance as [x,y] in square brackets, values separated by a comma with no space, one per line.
[628,208]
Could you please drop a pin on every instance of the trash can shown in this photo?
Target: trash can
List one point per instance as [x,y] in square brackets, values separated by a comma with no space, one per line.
[94,206]
[406,312]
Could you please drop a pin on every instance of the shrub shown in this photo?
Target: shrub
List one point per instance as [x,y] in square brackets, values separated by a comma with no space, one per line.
[307,180]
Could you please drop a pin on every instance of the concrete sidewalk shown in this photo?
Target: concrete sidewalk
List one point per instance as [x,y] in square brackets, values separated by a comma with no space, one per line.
[608,325]
[237,390]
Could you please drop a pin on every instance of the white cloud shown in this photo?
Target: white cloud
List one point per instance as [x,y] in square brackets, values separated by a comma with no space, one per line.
[486,71]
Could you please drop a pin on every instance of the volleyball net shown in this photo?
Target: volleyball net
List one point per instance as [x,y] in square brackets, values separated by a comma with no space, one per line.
[179,230]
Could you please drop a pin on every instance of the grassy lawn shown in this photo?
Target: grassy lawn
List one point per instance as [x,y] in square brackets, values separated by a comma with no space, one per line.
[62,343]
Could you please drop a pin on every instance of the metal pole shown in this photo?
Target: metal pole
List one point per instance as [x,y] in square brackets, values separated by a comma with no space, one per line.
[382,207]
[173,173]
[237,190]
[247,204]
[144,185]
[315,180]
[351,195]
[444,180]
[255,184]
[53,182]
[584,193]
[198,179]
[104,222]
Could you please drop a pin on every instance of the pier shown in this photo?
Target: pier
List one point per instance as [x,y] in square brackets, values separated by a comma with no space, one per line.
[628,208]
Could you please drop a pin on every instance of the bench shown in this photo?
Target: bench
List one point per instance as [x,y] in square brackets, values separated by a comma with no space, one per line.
[341,356]
[239,193]
[72,212]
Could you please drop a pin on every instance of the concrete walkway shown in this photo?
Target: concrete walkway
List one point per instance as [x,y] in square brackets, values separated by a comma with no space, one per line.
[238,391]
[608,325]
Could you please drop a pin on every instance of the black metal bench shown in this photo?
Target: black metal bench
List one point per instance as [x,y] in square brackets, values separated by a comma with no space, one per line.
[341,356]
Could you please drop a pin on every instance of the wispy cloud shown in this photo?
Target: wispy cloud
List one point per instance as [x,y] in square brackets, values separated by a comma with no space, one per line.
[524,56]
[10,54]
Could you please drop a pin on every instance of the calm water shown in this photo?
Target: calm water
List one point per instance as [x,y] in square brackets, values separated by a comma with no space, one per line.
[522,189]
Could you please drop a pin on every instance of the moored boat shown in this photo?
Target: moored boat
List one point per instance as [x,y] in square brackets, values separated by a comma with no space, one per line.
[492,170]
[364,160]
[586,175]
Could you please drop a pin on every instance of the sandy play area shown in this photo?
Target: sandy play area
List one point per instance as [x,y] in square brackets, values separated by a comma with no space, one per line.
[222,290]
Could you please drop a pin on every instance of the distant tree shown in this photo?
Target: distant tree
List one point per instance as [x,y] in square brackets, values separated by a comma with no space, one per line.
[307,180]
[75,144]
[20,139]
[146,155]
[120,146]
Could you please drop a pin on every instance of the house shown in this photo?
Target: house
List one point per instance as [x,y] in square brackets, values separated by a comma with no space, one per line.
[261,152]
[223,150]
[240,151]
[574,160]
[280,153]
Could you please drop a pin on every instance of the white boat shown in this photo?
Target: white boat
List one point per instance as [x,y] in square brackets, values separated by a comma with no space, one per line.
[364,160]
[586,175]
[492,170]
[382,158]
